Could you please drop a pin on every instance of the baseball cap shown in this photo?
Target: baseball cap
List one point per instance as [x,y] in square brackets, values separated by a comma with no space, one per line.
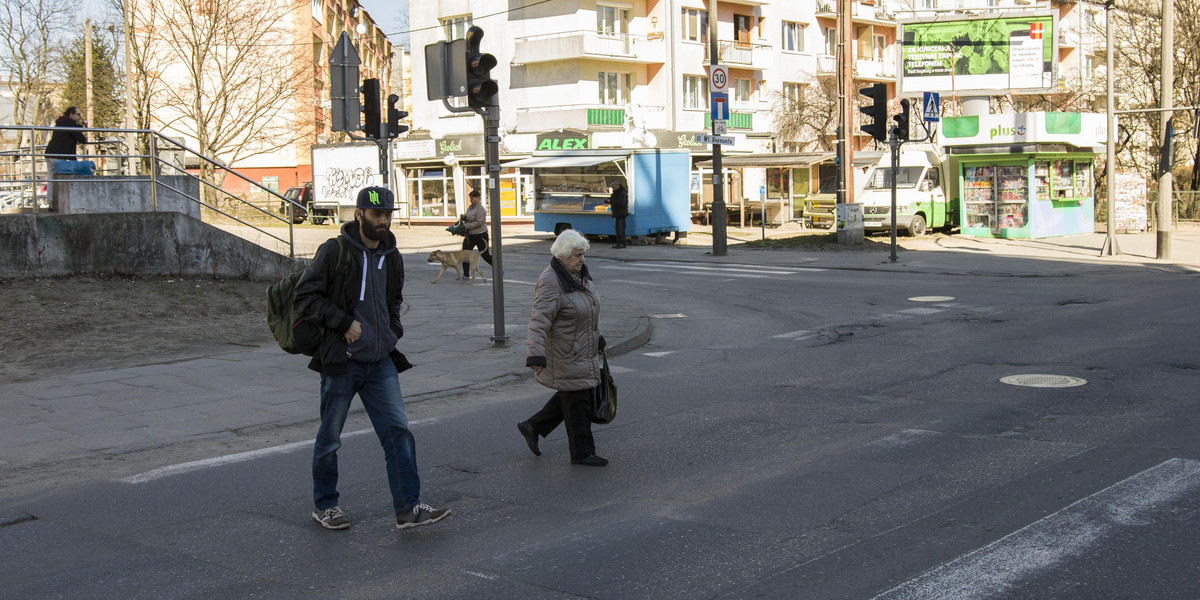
[379,198]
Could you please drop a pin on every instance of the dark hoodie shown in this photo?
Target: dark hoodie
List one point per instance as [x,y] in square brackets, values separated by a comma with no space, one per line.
[66,135]
[367,287]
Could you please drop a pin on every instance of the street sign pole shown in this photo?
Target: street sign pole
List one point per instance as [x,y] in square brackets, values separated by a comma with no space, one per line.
[719,216]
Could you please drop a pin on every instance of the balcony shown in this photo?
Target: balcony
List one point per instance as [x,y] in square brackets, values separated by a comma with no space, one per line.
[737,120]
[864,13]
[576,45]
[735,53]
[590,116]
[874,71]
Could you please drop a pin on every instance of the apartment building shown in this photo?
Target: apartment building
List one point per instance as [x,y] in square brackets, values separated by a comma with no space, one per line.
[633,74]
[294,48]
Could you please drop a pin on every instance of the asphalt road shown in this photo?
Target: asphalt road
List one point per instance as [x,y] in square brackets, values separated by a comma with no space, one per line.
[788,433]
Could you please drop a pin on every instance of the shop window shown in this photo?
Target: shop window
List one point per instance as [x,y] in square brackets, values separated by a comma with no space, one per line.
[431,192]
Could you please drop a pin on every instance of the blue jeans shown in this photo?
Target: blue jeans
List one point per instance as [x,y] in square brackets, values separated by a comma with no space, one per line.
[379,389]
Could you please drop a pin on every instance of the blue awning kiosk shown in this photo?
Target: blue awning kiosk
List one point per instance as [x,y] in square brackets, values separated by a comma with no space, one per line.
[571,188]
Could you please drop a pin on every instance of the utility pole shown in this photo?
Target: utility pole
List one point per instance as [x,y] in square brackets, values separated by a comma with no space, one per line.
[87,68]
[130,139]
[719,214]
[845,104]
[1110,240]
[1165,206]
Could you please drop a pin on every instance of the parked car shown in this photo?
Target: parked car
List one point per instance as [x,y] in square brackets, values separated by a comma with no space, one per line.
[303,196]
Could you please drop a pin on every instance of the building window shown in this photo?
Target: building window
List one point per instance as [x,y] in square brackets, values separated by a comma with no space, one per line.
[206,8]
[454,28]
[743,89]
[831,41]
[695,91]
[741,29]
[615,87]
[612,20]
[880,46]
[793,37]
[792,93]
[929,4]
[1089,68]
[317,10]
[695,25]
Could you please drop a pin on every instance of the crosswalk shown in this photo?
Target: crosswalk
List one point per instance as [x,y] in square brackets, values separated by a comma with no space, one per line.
[723,270]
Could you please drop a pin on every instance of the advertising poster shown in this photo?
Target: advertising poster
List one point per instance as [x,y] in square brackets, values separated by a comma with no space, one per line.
[1131,202]
[984,54]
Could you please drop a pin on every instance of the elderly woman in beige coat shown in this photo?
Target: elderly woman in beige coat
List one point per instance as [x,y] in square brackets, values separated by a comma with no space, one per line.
[563,349]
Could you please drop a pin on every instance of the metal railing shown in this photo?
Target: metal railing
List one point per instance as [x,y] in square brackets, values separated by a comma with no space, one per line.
[26,179]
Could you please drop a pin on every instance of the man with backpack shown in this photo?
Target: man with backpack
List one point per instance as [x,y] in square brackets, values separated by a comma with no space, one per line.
[353,290]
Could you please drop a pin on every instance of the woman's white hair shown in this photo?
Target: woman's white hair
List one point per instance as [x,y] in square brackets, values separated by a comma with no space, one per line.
[569,242]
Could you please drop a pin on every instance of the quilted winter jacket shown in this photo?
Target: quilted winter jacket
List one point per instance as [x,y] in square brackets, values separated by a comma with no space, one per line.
[564,334]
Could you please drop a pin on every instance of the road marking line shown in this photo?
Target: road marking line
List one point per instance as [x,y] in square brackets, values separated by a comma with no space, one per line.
[230,459]
[991,570]
[802,334]
[921,311]
[659,354]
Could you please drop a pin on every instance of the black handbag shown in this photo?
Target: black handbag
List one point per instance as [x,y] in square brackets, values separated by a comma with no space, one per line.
[604,397]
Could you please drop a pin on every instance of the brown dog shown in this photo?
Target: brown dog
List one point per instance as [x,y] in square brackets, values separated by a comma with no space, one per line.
[454,259]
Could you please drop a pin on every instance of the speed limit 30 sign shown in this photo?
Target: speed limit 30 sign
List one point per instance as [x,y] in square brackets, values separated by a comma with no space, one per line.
[718,78]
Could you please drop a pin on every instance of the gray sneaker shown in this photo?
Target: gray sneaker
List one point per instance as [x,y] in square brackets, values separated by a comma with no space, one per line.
[331,518]
[422,514]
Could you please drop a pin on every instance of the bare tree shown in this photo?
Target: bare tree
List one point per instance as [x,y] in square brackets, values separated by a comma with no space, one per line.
[220,72]
[1138,32]
[31,32]
[809,120]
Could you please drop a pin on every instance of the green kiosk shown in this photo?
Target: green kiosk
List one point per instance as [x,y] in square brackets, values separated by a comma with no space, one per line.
[1025,175]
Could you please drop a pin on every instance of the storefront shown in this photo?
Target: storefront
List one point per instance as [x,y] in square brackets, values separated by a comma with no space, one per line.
[1027,175]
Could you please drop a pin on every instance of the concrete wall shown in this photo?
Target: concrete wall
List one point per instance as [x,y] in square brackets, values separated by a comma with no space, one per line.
[118,194]
[130,244]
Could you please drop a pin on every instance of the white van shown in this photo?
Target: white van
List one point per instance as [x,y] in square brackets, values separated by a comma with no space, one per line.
[921,201]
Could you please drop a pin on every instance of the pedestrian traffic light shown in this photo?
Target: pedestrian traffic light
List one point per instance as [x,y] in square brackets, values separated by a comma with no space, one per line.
[481,88]
[395,115]
[902,121]
[877,111]
[370,107]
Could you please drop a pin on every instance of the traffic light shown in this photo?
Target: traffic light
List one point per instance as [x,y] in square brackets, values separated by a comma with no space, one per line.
[370,107]
[395,115]
[877,111]
[902,121]
[480,85]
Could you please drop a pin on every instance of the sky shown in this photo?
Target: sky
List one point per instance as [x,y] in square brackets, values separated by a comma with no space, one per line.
[387,15]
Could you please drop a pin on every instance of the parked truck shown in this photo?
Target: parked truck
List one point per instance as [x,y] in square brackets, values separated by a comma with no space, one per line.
[339,171]
[922,201]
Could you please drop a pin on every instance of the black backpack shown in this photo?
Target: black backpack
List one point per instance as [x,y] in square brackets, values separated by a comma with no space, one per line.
[293,334]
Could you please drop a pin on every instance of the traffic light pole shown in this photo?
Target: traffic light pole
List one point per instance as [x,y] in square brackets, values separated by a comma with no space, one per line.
[491,153]
[894,145]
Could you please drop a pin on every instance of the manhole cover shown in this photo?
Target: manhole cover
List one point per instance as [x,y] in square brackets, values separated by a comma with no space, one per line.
[1043,381]
[931,299]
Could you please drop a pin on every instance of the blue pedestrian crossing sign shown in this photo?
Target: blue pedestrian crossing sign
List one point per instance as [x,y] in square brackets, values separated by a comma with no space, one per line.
[932,107]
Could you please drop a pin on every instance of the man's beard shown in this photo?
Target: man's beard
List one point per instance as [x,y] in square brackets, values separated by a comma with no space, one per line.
[376,233]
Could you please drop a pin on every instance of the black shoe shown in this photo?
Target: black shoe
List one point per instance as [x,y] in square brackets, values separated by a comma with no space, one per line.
[591,461]
[619,246]
[531,437]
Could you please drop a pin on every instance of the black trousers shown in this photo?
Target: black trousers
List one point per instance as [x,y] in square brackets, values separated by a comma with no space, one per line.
[619,226]
[479,241]
[570,409]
